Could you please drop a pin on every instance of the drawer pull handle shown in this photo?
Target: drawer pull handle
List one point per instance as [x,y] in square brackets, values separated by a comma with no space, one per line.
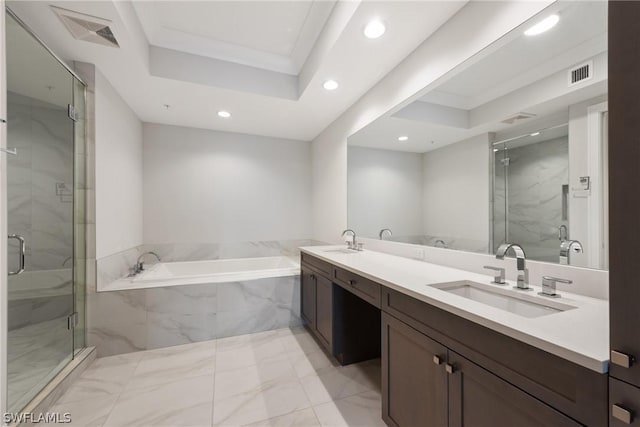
[621,359]
[449,368]
[620,413]
[352,282]
[436,359]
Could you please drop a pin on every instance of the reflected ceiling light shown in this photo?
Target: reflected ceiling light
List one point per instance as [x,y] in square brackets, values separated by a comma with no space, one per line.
[224,114]
[374,29]
[330,85]
[542,26]
[403,138]
[535,134]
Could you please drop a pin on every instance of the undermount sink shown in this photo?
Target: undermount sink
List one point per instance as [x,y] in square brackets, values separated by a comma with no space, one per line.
[513,301]
[341,251]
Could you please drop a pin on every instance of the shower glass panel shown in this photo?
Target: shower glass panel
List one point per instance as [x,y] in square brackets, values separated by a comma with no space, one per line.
[40,213]
[531,177]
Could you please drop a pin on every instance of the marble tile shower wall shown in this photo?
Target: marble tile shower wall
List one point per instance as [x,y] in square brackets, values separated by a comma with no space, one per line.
[126,321]
[37,210]
[536,174]
[117,266]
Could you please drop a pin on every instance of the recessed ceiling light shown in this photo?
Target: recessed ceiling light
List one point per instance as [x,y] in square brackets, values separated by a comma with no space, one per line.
[374,29]
[224,114]
[535,134]
[542,26]
[403,138]
[330,85]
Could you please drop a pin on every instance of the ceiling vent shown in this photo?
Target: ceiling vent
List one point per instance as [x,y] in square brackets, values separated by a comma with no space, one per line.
[86,27]
[517,117]
[581,73]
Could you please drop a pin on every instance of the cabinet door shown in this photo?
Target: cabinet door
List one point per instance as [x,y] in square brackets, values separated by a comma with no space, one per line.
[478,398]
[414,382]
[324,310]
[308,297]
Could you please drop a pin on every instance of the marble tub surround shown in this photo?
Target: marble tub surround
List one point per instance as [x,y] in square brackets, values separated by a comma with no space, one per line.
[117,266]
[133,320]
[280,377]
[579,335]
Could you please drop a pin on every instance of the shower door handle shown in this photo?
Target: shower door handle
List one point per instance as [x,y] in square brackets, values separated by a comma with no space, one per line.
[20,240]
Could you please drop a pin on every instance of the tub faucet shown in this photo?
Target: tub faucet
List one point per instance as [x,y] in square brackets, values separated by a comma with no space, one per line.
[566,247]
[523,273]
[140,264]
[352,244]
[383,231]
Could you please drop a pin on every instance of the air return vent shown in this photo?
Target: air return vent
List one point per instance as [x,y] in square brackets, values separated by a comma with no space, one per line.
[580,73]
[86,27]
[517,117]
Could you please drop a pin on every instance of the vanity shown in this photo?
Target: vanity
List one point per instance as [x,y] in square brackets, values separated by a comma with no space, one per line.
[455,347]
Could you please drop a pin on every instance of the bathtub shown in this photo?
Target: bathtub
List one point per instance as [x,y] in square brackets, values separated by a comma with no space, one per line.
[210,271]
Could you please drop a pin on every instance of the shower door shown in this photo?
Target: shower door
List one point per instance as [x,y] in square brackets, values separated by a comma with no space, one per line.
[40,215]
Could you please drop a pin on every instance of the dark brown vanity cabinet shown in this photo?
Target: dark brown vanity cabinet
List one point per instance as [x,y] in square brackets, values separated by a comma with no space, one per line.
[414,382]
[308,297]
[316,308]
[624,212]
[426,384]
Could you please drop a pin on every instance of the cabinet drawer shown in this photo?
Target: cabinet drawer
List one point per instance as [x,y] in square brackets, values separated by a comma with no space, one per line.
[317,264]
[364,288]
[624,404]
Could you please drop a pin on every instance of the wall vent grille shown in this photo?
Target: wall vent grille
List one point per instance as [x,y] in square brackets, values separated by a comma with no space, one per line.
[86,27]
[580,73]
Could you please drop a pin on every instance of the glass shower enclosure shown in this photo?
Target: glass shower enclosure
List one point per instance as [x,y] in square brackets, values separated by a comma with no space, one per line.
[44,211]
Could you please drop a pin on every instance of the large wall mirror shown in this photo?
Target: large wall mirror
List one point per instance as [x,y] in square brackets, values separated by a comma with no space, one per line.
[509,147]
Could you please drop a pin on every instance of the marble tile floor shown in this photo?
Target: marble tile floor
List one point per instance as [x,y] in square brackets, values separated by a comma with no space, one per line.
[36,353]
[273,378]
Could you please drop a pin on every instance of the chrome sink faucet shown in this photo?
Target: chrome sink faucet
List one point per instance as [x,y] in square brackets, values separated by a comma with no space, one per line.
[523,272]
[566,247]
[139,267]
[352,244]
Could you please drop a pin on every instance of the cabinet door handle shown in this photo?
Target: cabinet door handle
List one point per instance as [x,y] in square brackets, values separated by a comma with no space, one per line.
[313,277]
[621,359]
[621,413]
[449,368]
[436,359]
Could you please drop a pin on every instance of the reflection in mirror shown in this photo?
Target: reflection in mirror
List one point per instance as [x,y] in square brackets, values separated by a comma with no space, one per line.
[509,147]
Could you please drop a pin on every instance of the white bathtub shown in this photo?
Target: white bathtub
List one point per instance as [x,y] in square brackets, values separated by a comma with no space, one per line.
[213,271]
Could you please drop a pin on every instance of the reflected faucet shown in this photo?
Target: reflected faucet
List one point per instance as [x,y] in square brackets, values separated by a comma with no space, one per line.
[139,267]
[385,230]
[523,272]
[440,244]
[565,250]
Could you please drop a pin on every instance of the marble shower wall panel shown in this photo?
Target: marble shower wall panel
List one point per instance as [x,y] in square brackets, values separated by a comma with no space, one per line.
[536,174]
[126,321]
[43,136]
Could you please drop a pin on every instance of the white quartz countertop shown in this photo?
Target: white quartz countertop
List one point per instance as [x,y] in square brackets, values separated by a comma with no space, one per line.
[580,335]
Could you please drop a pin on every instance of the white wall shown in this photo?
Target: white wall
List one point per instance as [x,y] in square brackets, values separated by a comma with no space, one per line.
[385,191]
[205,186]
[457,190]
[118,172]
[475,27]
